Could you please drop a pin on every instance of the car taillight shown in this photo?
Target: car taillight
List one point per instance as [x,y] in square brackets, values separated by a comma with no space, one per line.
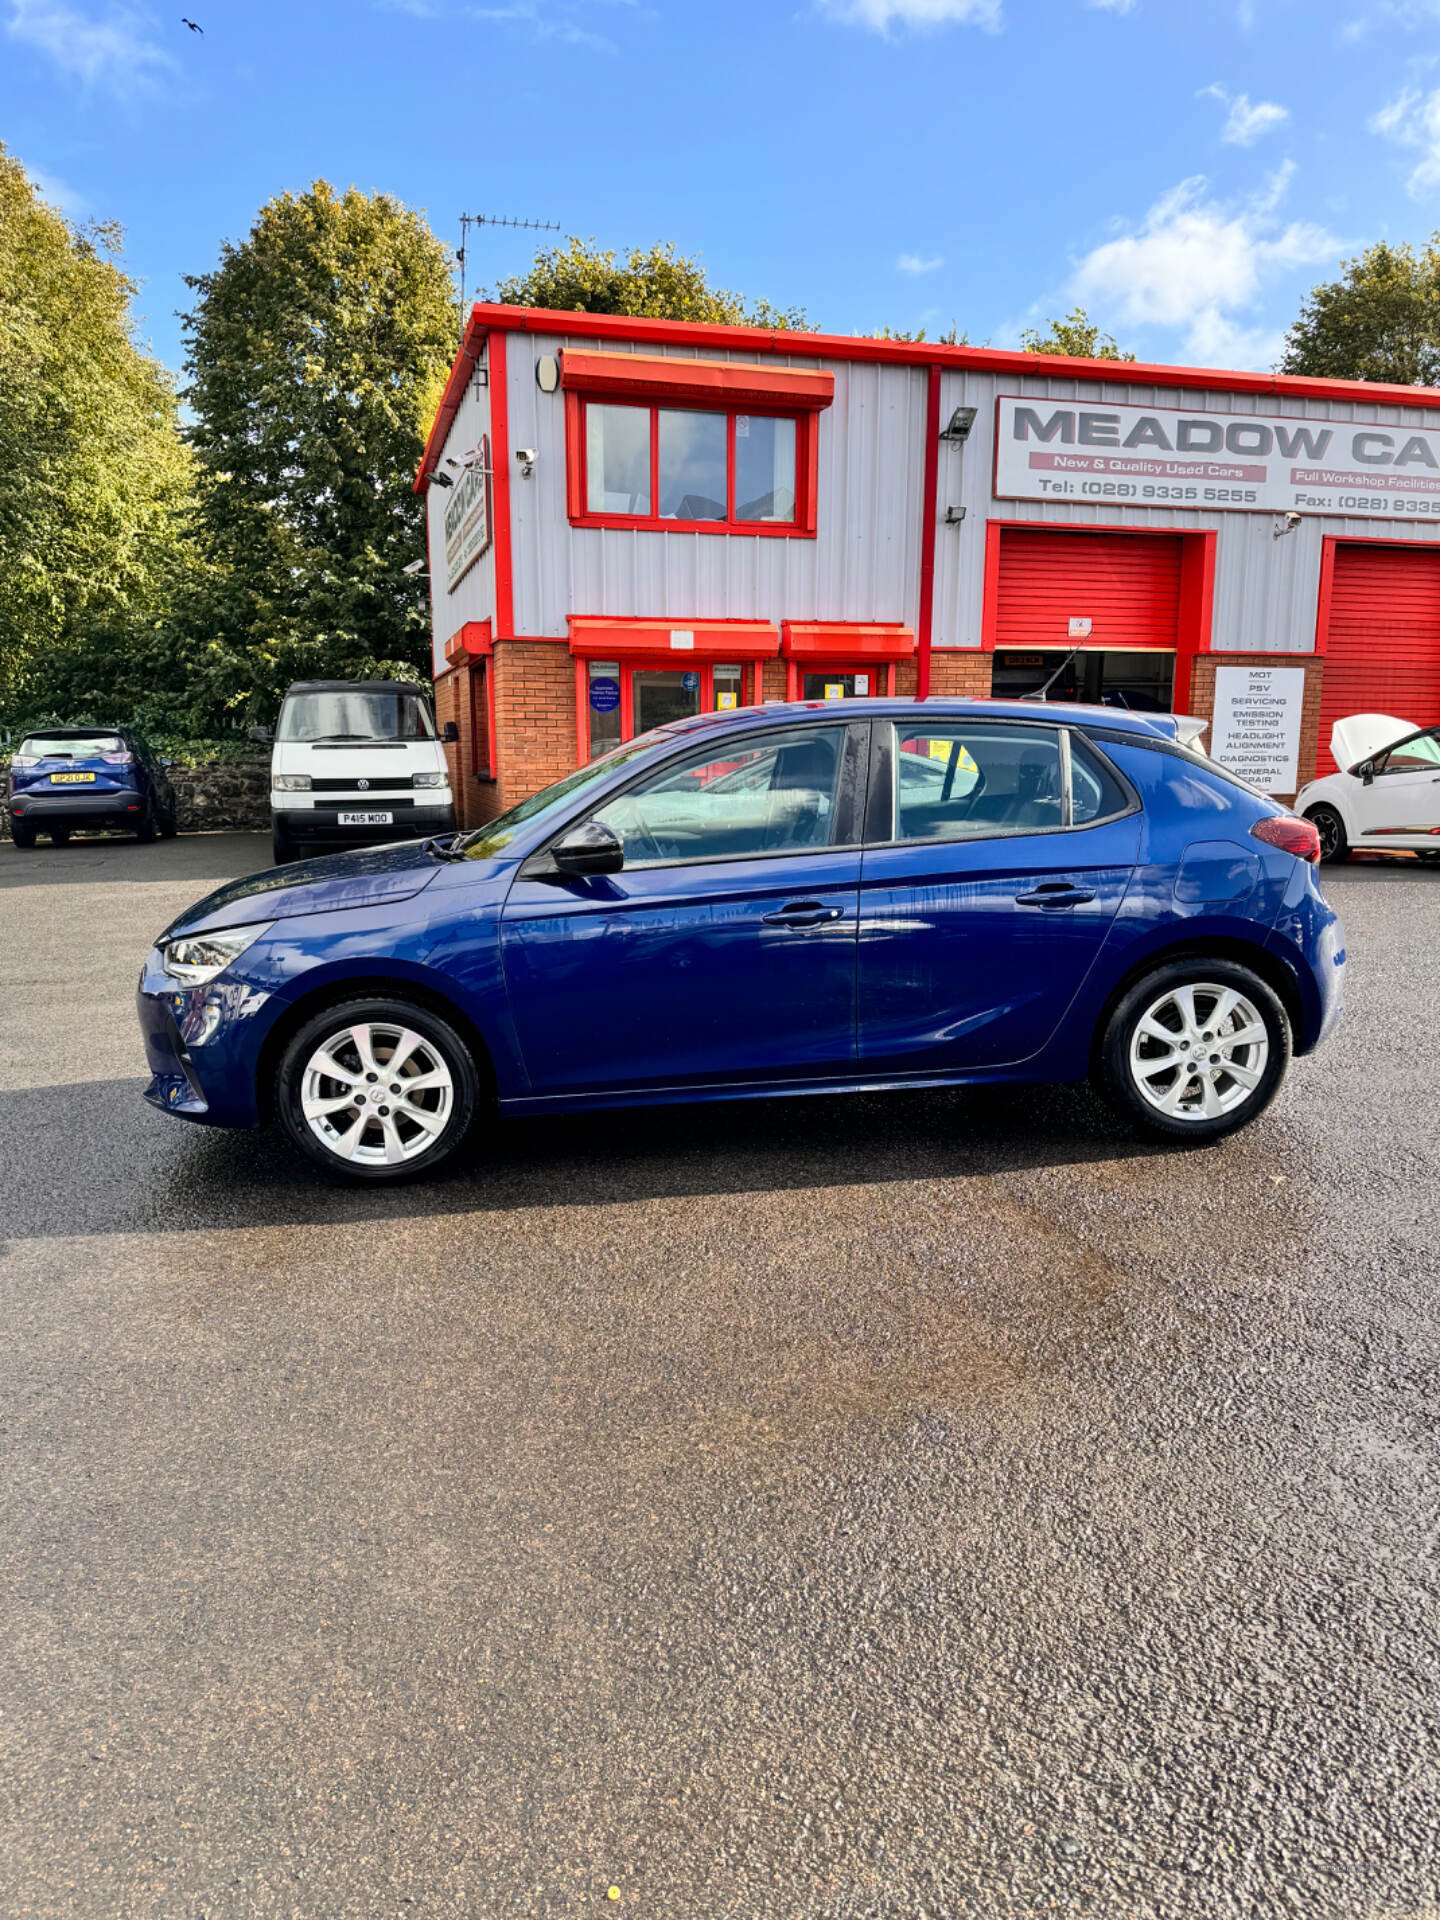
[1289,831]
[116,759]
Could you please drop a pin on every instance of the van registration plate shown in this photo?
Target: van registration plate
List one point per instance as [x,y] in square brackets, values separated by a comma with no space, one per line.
[367,819]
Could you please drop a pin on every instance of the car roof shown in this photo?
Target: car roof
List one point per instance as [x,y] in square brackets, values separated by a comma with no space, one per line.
[73,733]
[1054,712]
[356,686]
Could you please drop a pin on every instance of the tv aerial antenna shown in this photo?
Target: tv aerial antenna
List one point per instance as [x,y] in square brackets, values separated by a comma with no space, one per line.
[468,220]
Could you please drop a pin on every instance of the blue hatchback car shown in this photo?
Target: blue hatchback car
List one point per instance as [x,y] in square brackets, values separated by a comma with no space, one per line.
[788,899]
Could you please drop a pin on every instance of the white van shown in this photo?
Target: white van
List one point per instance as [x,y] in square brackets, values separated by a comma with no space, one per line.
[356,763]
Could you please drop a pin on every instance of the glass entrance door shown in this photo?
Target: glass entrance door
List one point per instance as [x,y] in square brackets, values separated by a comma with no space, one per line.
[1144,682]
[835,683]
[660,695]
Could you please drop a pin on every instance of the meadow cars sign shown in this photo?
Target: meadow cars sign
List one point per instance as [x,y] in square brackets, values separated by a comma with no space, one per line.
[1141,456]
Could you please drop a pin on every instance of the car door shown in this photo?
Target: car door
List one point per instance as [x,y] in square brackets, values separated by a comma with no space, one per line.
[724,950]
[1402,801]
[1004,851]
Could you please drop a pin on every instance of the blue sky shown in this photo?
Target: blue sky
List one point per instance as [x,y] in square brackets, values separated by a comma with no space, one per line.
[1186,171]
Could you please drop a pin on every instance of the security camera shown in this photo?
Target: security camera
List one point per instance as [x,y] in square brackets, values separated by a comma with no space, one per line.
[414,566]
[1286,523]
[527,456]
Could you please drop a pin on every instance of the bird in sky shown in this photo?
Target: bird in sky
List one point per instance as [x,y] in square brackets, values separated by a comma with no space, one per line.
[191,25]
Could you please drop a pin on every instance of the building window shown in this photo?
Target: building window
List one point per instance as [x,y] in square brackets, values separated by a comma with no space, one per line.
[683,467]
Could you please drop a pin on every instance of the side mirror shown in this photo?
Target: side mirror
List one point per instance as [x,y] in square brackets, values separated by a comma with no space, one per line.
[263,734]
[590,848]
[1367,772]
[450,733]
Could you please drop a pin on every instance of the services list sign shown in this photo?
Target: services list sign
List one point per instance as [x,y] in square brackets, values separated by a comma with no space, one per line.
[1239,462]
[467,518]
[1256,729]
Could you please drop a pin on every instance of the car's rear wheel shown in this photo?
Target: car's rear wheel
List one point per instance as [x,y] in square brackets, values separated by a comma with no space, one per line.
[147,828]
[377,1090]
[169,824]
[1334,842]
[23,836]
[1196,1049]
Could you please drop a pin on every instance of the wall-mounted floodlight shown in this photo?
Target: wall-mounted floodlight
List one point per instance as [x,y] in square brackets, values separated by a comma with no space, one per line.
[954,515]
[961,421]
[440,479]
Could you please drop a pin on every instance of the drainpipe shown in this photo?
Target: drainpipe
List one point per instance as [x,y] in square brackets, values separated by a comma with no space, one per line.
[928,519]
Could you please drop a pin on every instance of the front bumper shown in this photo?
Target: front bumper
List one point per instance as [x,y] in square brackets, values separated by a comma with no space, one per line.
[85,805]
[322,824]
[202,1045]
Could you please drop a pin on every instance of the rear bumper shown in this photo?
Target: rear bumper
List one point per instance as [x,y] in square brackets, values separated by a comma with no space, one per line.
[322,824]
[80,804]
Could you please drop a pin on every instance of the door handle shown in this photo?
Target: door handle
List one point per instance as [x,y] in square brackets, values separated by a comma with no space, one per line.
[802,913]
[1054,893]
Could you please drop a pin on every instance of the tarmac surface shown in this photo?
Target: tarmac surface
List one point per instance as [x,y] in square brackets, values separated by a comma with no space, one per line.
[907,1505]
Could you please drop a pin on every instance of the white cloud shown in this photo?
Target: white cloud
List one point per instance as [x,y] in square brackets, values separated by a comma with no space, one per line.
[1247,119]
[1412,120]
[919,262]
[1201,265]
[881,15]
[115,50]
[1113,6]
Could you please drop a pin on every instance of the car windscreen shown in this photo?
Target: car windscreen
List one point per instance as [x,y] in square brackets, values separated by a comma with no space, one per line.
[355,713]
[68,746]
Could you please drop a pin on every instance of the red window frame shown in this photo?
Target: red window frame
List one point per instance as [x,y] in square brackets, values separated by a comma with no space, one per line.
[802,527]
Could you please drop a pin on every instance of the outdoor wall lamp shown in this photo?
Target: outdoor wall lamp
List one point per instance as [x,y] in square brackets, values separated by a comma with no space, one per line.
[961,421]
[954,515]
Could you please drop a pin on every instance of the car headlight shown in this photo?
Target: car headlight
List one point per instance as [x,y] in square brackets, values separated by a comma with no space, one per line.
[290,782]
[195,958]
[430,779]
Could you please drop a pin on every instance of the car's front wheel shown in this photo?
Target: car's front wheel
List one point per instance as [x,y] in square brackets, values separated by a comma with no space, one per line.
[1196,1049]
[377,1090]
[1334,842]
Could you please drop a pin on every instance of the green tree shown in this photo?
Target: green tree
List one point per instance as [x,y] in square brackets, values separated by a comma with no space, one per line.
[655,285]
[316,352]
[1379,321]
[952,336]
[1076,335]
[95,482]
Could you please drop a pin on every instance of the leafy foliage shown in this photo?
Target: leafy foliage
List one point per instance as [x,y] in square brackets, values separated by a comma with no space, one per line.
[316,351]
[95,482]
[1379,321]
[1076,335]
[657,284]
[952,336]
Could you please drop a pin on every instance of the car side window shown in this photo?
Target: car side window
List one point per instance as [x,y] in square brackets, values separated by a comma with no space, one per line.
[774,795]
[963,779]
[1095,793]
[1412,756]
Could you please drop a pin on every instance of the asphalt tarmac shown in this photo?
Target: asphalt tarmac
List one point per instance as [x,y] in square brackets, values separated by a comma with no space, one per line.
[908,1505]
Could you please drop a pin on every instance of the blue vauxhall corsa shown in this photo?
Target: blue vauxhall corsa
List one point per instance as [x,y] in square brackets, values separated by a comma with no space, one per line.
[788,899]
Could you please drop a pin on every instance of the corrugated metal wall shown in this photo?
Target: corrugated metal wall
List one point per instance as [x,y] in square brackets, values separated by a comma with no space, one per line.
[1266,590]
[864,563]
[474,597]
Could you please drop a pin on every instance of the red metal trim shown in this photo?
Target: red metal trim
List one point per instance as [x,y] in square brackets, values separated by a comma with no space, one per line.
[839,639]
[487,319]
[990,605]
[716,383]
[582,711]
[928,518]
[737,640]
[471,640]
[574,456]
[500,462]
[1327,592]
[1194,628]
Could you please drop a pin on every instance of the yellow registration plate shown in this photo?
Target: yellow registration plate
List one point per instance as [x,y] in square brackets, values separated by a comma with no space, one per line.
[56,778]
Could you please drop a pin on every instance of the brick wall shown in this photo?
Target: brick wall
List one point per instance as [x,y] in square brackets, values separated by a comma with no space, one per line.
[961,676]
[1202,696]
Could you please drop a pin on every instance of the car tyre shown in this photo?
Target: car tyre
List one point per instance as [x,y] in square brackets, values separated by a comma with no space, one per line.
[1427,858]
[283,849]
[1334,842]
[169,824]
[1195,1050]
[337,1101]
[147,830]
[23,836]
[59,836]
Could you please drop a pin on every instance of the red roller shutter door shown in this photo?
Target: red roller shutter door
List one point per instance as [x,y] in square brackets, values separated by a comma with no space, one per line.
[1382,649]
[1126,585]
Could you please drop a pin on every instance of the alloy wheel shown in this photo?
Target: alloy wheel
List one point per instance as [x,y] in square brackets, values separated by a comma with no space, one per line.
[1327,825]
[1199,1051]
[376,1093]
